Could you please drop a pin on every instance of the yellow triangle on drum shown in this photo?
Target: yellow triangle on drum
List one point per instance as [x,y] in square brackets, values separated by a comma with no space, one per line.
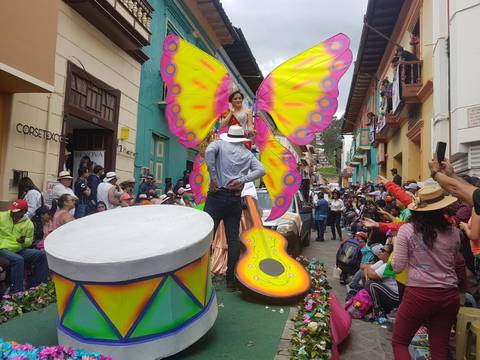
[194,277]
[123,303]
[63,289]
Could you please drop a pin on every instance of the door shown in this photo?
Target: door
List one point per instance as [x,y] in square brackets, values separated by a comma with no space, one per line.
[157,159]
[96,139]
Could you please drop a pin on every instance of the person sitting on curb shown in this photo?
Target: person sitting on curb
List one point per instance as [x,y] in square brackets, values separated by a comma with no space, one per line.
[16,236]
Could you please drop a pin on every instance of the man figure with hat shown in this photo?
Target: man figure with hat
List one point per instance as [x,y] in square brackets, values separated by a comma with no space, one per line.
[230,166]
[148,188]
[397,179]
[16,235]
[108,191]
[64,185]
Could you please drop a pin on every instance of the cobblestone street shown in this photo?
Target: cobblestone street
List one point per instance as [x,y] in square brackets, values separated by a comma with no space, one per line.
[366,340]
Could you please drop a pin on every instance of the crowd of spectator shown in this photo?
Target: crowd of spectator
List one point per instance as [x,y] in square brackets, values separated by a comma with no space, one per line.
[409,250]
[29,219]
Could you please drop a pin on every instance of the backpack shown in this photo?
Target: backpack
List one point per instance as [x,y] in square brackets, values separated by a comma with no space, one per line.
[349,253]
[359,305]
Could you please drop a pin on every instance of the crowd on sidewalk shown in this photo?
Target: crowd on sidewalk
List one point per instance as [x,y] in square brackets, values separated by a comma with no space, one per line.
[409,252]
[29,219]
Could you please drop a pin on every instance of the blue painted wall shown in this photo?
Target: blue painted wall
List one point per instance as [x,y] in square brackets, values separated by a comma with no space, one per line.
[151,115]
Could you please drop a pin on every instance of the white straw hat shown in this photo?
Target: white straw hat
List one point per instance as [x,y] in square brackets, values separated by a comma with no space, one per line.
[110,176]
[235,134]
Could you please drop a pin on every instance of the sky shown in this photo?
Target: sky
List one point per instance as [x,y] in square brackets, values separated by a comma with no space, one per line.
[279,29]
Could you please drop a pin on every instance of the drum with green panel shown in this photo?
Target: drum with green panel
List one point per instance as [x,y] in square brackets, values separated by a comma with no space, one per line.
[134,282]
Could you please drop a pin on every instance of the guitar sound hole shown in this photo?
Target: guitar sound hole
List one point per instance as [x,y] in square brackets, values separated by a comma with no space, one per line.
[271,267]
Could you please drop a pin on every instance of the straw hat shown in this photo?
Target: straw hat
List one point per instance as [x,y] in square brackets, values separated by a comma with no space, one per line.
[430,198]
[110,176]
[64,175]
[235,135]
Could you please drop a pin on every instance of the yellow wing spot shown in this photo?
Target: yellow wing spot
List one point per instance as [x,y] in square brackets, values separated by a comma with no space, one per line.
[200,84]
[293,104]
[301,84]
[207,65]
[305,62]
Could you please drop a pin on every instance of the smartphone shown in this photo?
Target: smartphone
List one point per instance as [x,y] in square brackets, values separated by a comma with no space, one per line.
[441,148]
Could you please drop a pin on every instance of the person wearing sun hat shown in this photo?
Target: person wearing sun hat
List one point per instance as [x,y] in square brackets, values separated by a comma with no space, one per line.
[427,246]
[230,166]
[16,236]
[108,191]
[64,185]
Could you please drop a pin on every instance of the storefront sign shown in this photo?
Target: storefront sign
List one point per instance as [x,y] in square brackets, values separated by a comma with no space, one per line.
[122,149]
[473,115]
[40,133]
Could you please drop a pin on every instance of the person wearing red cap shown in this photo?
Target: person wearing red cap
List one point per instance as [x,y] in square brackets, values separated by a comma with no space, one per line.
[16,236]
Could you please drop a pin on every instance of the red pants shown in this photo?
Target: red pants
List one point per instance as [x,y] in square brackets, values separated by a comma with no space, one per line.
[435,308]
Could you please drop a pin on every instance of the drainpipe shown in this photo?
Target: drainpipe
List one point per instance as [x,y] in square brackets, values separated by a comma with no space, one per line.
[47,143]
[449,88]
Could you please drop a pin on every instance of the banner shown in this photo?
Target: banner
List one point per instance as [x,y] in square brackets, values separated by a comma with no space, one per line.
[95,156]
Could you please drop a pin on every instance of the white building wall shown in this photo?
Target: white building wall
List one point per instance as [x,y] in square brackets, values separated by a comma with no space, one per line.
[347,144]
[441,123]
[465,78]
[77,40]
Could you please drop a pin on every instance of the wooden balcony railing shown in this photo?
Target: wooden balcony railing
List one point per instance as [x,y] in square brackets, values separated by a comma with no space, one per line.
[411,80]
[125,22]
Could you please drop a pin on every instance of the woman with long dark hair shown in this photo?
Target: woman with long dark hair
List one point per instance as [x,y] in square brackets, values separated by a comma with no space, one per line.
[238,114]
[30,193]
[427,245]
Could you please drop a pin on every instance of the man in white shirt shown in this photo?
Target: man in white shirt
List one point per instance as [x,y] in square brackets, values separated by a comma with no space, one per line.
[108,191]
[64,185]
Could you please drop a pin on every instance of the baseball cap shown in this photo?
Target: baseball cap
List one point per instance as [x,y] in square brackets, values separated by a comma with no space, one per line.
[18,205]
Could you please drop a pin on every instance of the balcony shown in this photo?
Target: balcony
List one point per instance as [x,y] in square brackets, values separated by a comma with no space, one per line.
[411,81]
[362,142]
[125,22]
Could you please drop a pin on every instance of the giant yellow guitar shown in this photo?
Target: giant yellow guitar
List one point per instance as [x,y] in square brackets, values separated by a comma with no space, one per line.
[265,267]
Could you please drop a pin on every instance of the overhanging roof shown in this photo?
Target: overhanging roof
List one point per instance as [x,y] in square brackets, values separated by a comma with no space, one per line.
[217,18]
[382,15]
[241,55]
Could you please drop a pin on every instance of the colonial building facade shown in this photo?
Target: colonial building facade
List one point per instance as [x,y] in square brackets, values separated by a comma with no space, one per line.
[390,105]
[83,94]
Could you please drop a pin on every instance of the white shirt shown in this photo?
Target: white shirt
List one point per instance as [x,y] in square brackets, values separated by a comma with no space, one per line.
[102,194]
[336,205]
[60,189]
[34,199]
[249,190]
[379,268]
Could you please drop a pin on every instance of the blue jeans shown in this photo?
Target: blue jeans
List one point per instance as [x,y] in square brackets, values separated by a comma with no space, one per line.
[38,261]
[355,283]
[225,206]
[320,225]
[81,210]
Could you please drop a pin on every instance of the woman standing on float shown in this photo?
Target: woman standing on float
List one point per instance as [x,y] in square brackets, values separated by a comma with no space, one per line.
[238,114]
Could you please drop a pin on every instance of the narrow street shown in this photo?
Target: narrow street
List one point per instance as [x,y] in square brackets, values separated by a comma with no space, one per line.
[367,340]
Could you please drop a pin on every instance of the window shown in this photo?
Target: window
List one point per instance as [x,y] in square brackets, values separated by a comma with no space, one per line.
[157,158]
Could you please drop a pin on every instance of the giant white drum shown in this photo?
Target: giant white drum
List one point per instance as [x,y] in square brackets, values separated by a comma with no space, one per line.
[134,283]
